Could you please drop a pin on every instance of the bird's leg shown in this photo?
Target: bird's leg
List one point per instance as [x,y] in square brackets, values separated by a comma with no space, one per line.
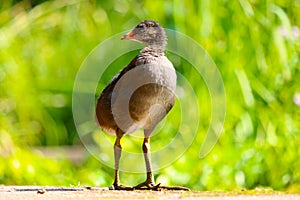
[149,183]
[117,154]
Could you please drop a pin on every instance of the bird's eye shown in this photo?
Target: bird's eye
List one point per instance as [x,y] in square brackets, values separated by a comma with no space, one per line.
[141,26]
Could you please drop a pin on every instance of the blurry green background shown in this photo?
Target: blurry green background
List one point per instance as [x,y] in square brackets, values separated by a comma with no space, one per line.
[255,45]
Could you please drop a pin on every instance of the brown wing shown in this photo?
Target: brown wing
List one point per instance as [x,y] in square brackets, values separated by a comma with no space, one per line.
[103,108]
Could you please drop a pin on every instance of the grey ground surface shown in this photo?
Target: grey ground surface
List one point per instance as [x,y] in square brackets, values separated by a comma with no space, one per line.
[74,193]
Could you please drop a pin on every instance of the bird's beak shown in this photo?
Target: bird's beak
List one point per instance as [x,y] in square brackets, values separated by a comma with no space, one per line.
[128,36]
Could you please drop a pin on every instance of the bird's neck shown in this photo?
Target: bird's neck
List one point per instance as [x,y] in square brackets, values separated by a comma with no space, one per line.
[153,50]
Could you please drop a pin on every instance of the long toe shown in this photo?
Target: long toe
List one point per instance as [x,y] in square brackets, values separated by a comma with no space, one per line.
[147,185]
[175,188]
[120,187]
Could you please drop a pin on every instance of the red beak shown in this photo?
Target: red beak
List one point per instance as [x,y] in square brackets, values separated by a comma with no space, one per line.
[128,36]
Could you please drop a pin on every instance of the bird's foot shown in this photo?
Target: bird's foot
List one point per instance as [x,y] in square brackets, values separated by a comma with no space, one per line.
[147,185]
[120,187]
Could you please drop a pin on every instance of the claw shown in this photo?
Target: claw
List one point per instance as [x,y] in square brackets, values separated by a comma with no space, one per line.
[119,187]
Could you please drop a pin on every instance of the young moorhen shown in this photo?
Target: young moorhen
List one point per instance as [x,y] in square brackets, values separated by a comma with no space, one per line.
[139,96]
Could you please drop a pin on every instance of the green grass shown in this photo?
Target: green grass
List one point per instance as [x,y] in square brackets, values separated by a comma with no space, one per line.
[255,45]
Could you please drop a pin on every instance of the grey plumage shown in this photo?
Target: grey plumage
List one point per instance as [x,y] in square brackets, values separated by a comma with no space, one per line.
[140,96]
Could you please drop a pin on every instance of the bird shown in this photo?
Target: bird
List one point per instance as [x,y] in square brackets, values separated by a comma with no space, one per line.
[139,96]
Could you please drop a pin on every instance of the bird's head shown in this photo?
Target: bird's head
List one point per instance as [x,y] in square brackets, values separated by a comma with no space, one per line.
[148,32]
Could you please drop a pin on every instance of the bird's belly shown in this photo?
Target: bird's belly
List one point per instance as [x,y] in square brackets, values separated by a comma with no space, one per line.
[149,104]
[143,96]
